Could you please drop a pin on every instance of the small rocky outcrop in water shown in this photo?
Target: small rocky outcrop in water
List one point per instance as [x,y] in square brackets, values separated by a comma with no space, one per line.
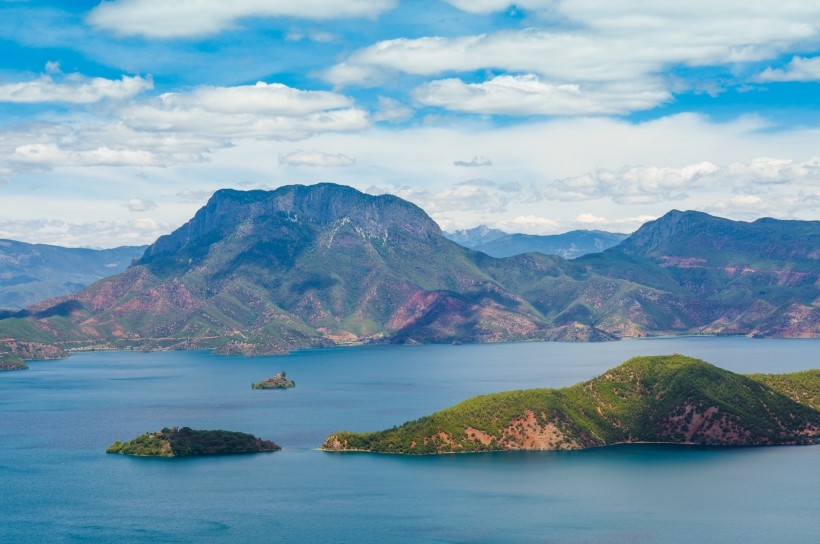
[280,381]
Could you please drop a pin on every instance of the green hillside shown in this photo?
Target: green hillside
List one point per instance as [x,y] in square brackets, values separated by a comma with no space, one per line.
[671,399]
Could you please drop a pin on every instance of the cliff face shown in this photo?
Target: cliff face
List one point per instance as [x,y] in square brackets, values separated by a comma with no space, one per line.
[669,399]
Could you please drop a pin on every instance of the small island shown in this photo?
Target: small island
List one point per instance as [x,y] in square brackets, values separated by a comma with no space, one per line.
[184,442]
[671,399]
[280,381]
[11,362]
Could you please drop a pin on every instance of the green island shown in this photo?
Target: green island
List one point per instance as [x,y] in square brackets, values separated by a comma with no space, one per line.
[657,399]
[176,442]
[9,361]
[280,381]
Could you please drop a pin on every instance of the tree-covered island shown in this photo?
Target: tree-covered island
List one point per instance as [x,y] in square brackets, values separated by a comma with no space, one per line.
[9,361]
[182,442]
[280,381]
[660,399]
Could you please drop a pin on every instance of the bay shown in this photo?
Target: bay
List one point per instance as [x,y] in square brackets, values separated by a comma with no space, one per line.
[58,485]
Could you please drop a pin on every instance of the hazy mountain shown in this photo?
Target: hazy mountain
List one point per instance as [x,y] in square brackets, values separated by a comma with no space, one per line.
[30,273]
[475,236]
[269,271]
[568,245]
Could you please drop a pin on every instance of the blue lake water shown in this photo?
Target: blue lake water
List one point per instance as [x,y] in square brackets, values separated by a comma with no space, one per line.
[57,484]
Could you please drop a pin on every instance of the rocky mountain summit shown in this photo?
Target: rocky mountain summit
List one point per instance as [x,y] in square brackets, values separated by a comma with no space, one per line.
[262,272]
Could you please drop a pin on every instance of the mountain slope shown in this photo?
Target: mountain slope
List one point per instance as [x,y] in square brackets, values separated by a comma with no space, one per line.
[30,273]
[765,273]
[265,272]
[271,271]
[672,398]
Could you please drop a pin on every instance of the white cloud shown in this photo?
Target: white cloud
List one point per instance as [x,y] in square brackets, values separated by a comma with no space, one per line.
[73,88]
[588,56]
[650,184]
[273,111]
[633,185]
[140,205]
[489,6]
[392,111]
[93,234]
[798,69]
[474,163]
[529,95]
[316,158]
[588,218]
[192,18]
[176,128]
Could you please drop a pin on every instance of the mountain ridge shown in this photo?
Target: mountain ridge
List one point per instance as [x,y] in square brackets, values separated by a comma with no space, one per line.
[307,266]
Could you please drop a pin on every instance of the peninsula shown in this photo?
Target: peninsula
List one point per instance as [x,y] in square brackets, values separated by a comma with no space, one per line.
[176,442]
[280,381]
[11,362]
[659,399]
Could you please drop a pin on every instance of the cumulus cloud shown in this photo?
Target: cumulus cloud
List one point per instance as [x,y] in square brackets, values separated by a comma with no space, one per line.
[651,184]
[529,95]
[798,69]
[316,158]
[392,111]
[470,195]
[93,234]
[263,110]
[140,205]
[633,185]
[73,88]
[474,163]
[183,127]
[592,57]
[186,19]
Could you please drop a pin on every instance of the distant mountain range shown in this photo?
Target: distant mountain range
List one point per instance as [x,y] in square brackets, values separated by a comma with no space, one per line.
[270,271]
[30,273]
[568,245]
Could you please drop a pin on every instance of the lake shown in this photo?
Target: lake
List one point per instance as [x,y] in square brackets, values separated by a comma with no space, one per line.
[57,484]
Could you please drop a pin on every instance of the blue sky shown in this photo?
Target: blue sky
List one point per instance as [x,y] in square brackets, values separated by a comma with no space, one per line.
[119,119]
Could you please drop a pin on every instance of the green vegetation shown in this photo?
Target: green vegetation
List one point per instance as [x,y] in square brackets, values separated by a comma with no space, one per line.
[280,381]
[267,272]
[11,362]
[670,398]
[175,442]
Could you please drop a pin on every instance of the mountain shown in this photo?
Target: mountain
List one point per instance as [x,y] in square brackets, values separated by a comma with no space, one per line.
[30,273]
[302,266]
[568,245]
[263,272]
[767,271]
[475,236]
[668,399]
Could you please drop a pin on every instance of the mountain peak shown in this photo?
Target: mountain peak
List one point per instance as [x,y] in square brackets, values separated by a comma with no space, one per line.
[321,204]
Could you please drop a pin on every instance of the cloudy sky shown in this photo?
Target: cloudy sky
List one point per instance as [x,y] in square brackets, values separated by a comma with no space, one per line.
[119,119]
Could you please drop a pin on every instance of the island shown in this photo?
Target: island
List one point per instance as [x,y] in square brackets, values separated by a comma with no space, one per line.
[9,361]
[659,399]
[184,442]
[280,381]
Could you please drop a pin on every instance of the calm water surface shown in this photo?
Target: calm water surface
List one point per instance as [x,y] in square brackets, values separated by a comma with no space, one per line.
[58,485]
